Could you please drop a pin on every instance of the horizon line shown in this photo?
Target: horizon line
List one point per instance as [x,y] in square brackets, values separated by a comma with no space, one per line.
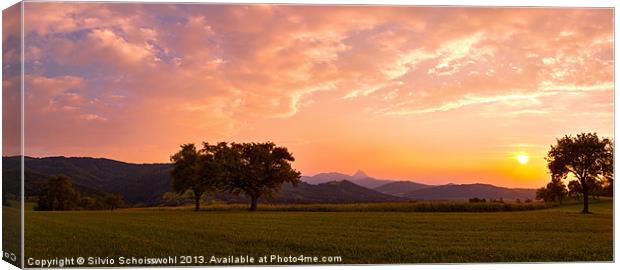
[323,172]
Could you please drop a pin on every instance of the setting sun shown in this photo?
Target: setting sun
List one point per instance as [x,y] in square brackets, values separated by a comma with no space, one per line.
[523,159]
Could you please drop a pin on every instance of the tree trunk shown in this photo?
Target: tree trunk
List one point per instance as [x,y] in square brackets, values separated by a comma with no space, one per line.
[254,203]
[197,200]
[585,189]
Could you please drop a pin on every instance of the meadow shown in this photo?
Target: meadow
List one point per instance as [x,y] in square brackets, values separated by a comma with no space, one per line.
[410,206]
[11,231]
[359,237]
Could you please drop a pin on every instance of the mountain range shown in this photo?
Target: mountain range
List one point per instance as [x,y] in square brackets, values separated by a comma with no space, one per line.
[145,184]
[419,191]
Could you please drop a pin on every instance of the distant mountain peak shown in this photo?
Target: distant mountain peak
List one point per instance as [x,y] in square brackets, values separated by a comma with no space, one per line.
[359,175]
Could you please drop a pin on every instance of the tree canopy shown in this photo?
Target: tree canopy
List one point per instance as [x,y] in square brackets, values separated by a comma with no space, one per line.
[58,194]
[196,170]
[257,169]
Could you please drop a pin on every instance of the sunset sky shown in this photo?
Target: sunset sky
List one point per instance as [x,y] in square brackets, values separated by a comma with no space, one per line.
[430,94]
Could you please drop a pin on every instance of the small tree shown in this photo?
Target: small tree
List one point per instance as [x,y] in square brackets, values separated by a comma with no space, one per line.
[477,200]
[58,195]
[585,156]
[113,201]
[557,190]
[87,202]
[256,169]
[543,194]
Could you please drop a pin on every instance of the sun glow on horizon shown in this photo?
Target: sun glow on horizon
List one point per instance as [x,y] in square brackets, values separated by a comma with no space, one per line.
[523,159]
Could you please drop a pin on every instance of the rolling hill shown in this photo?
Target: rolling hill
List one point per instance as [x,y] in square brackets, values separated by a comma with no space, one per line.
[145,184]
[343,191]
[137,183]
[466,191]
[400,188]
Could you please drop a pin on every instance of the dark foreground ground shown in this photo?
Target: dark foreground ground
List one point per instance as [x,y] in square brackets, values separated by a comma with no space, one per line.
[555,234]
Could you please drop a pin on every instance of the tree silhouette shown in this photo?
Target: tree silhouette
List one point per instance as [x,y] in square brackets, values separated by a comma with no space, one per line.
[544,194]
[88,202]
[196,171]
[58,194]
[608,179]
[256,169]
[574,189]
[585,156]
[554,191]
[113,201]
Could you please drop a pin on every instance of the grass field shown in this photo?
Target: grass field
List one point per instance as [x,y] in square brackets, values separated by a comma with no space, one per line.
[414,206]
[555,234]
[11,232]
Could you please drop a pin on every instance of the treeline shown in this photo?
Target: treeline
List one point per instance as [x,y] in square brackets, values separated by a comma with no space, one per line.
[500,200]
[59,194]
[253,170]
[557,191]
[587,158]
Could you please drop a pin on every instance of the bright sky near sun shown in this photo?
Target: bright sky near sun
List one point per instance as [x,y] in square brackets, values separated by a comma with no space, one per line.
[430,94]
